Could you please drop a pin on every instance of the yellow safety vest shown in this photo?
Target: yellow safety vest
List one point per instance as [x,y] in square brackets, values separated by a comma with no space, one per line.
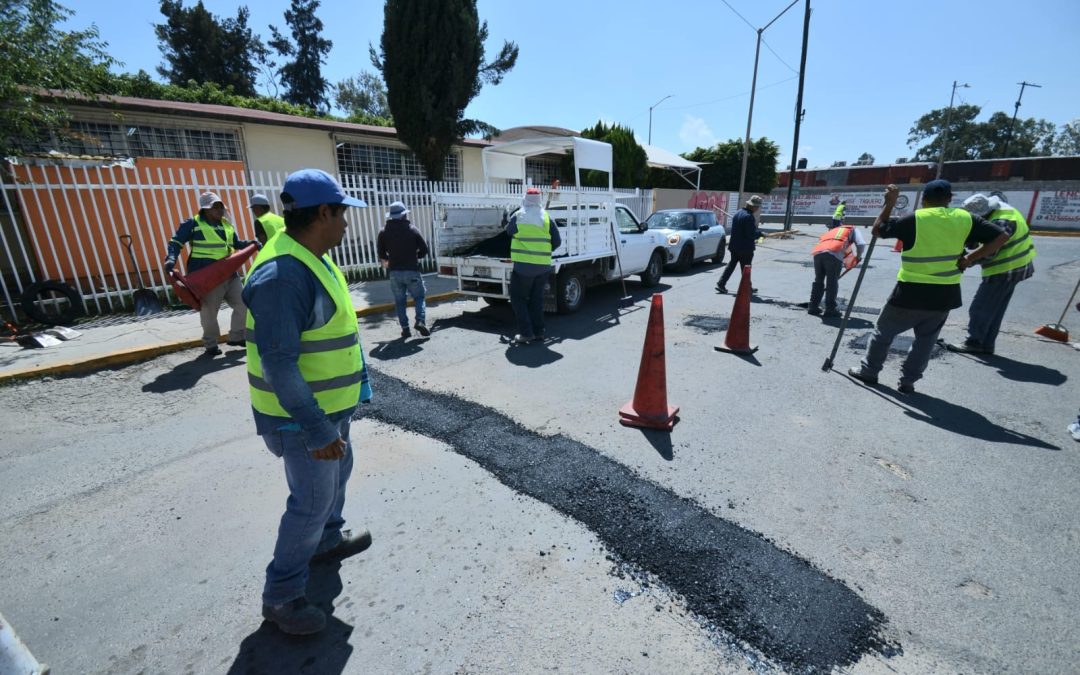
[838,214]
[1016,252]
[940,233]
[272,224]
[330,359]
[532,243]
[212,246]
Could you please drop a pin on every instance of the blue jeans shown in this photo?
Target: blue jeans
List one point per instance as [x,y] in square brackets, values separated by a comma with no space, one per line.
[411,281]
[925,323]
[527,301]
[312,521]
[988,309]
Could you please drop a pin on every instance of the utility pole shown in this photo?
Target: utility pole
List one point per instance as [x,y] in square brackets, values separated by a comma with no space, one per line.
[1008,139]
[789,210]
[945,130]
[650,114]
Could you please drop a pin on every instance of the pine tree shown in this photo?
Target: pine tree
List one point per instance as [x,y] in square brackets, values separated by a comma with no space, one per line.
[197,46]
[432,60]
[302,77]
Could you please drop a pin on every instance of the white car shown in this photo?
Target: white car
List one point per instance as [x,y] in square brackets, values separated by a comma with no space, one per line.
[692,235]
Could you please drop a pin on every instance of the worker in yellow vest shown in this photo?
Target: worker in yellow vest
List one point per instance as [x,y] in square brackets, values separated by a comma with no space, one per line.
[212,237]
[533,236]
[838,214]
[306,376]
[1000,274]
[928,284]
[840,247]
[267,223]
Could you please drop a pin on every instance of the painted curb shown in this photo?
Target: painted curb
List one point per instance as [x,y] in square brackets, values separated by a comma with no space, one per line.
[128,356]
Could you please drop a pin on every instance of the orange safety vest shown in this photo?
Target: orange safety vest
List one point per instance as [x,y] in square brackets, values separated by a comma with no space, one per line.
[837,240]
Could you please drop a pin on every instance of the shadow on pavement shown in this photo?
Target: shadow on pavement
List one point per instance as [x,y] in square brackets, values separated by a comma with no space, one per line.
[661,441]
[397,349]
[1023,372]
[534,354]
[186,375]
[268,650]
[962,421]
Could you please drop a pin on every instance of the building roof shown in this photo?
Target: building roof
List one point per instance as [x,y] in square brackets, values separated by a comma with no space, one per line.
[532,131]
[233,114]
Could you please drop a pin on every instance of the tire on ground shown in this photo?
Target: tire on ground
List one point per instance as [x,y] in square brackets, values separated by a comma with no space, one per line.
[721,249]
[49,290]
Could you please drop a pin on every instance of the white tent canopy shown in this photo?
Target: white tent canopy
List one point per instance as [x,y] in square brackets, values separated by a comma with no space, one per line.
[665,159]
[507,160]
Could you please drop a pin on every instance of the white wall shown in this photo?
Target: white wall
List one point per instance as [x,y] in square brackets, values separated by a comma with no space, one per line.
[286,149]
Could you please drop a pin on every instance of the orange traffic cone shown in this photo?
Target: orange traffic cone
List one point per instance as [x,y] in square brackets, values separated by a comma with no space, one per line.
[649,408]
[737,340]
[194,287]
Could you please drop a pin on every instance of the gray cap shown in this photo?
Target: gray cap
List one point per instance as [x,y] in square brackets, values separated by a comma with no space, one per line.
[397,211]
[208,199]
[977,204]
[259,200]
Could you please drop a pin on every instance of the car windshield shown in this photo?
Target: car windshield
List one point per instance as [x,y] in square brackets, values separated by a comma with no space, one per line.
[671,221]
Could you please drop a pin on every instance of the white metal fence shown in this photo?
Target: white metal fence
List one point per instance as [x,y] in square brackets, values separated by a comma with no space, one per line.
[64,223]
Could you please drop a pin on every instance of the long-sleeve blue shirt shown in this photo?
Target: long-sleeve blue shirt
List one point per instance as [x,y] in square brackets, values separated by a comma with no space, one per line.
[744,232]
[286,299]
[187,232]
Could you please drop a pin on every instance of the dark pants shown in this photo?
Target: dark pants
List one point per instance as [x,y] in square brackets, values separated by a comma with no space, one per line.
[826,280]
[988,309]
[925,323]
[527,300]
[744,258]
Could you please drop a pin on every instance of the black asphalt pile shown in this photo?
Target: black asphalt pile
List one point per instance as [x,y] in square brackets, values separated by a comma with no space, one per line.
[732,578]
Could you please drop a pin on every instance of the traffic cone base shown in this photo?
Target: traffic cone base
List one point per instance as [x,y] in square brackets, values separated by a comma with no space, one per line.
[748,350]
[630,417]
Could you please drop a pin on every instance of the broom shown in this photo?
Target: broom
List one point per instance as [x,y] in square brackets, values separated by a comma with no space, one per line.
[1055,331]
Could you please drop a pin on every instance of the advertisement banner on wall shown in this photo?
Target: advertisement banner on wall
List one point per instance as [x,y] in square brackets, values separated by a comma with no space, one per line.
[825,203]
[1057,210]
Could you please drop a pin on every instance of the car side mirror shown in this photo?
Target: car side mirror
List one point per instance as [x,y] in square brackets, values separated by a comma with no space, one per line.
[703,228]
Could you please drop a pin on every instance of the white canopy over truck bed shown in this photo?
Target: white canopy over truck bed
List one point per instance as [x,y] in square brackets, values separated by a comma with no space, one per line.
[471,245]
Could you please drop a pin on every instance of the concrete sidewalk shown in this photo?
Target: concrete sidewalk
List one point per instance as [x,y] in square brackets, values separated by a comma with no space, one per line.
[119,339]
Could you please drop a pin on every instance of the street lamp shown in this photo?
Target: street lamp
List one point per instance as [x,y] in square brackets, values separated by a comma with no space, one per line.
[945,131]
[750,115]
[650,114]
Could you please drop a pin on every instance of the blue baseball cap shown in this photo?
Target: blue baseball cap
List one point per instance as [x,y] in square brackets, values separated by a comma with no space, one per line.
[937,188]
[311,187]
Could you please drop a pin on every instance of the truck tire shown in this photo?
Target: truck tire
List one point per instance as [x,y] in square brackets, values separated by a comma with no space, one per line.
[569,291]
[651,275]
[721,249]
[57,315]
[686,258]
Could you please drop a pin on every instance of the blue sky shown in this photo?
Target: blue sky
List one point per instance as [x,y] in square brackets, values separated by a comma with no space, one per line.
[872,67]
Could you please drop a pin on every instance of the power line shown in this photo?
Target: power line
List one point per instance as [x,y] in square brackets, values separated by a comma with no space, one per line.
[733,96]
[740,16]
[778,56]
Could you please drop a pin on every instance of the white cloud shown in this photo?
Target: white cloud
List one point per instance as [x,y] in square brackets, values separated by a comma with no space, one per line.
[695,133]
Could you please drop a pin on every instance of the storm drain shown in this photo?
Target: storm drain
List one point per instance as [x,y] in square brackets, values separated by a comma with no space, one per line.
[899,347]
[732,578]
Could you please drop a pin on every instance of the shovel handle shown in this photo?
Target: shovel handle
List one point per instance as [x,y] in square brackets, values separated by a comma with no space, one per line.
[827,366]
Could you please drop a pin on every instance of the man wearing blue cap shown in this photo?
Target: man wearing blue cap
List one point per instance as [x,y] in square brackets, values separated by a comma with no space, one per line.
[928,284]
[306,376]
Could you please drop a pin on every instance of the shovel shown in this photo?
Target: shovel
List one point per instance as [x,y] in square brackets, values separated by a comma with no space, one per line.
[146,301]
[625,301]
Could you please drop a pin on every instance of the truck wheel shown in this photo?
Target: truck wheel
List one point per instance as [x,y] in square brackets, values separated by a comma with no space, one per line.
[60,303]
[686,258]
[721,248]
[569,292]
[651,275]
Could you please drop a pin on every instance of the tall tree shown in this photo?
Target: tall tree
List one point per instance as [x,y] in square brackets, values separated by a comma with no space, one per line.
[865,159]
[36,52]
[1068,139]
[363,95]
[198,46]
[302,76]
[432,60]
[968,139]
[628,159]
[723,164]
[961,137]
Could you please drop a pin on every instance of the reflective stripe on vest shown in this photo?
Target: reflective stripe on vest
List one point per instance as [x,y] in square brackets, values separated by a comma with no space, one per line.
[212,246]
[1017,252]
[532,243]
[833,241]
[272,224]
[330,360]
[940,233]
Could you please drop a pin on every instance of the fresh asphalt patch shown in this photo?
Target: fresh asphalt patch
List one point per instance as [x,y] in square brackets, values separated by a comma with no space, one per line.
[736,580]
[899,347]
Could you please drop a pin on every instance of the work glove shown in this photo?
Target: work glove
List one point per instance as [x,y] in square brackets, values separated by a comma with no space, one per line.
[170,263]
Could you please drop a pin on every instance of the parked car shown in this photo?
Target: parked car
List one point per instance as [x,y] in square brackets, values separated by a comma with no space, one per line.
[692,235]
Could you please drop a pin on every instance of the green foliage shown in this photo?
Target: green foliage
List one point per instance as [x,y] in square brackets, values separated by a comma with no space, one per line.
[629,168]
[35,52]
[432,60]
[968,139]
[198,47]
[364,94]
[1068,139]
[302,77]
[723,165]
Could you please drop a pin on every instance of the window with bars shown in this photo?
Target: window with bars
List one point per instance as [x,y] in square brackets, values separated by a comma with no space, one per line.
[542,170]
[115,140]
[385,162]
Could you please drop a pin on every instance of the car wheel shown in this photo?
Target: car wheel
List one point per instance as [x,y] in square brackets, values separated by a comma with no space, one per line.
[686,258]
[652,273]
[569,292]
[721,249]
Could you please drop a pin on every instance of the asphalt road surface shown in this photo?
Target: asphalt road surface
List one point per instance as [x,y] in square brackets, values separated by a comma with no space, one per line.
[793,521]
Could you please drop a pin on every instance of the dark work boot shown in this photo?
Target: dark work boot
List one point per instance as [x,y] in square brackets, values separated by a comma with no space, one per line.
[296,617]
[351,543]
